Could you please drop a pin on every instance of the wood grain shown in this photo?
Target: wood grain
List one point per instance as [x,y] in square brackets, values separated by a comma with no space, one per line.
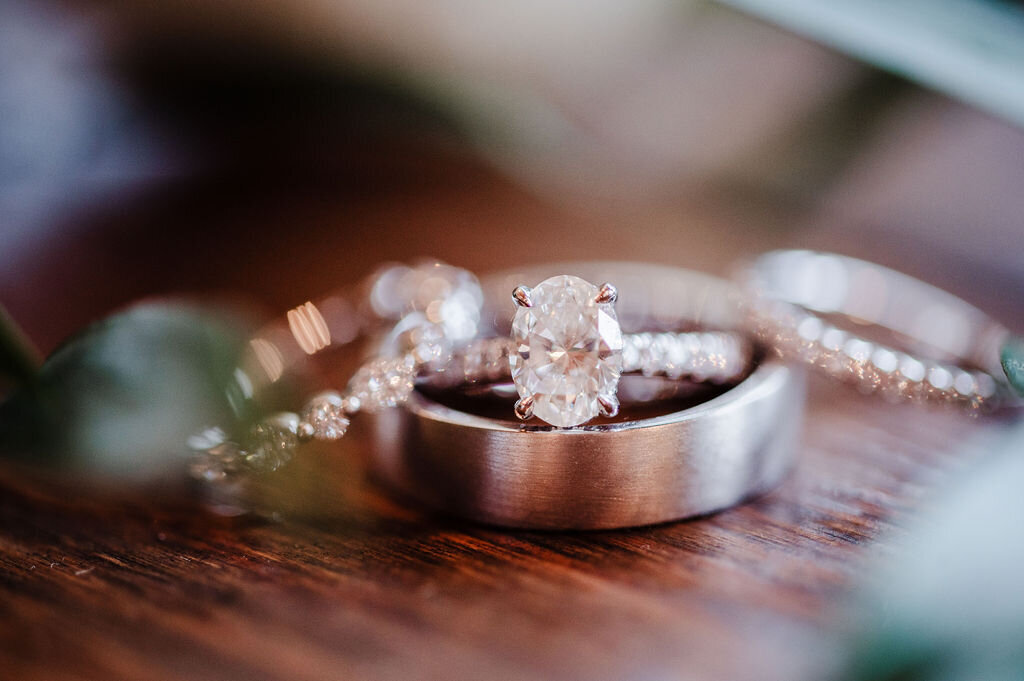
[347,582]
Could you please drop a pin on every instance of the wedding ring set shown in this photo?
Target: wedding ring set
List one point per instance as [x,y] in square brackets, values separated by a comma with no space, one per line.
[572,344]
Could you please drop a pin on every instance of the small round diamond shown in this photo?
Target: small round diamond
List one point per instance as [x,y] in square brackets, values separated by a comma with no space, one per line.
[306,432]
[679,358]
[351,404]
[447,295]
[326,413]
[216,455]
[632,353]
[964,383]
[384,383]
[986,386]
[912,369]
[429,344]
[653,361]
[272,442]
[940,378]
[885,360]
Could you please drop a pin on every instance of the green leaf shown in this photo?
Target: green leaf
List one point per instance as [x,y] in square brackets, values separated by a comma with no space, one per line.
[949,605]
[1012,358]
[19,359]
[970,49]
[121,398]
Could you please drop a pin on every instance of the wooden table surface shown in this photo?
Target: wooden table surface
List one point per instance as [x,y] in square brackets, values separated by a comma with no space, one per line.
[350,583]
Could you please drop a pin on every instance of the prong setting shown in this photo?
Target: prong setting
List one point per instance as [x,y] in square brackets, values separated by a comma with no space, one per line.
[607,293]
[608,404]
[524,407]
[521,294]
[566,350]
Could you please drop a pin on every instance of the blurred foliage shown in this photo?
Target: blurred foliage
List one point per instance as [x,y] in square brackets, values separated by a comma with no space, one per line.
[949,606]
[18,357]
[969,49]
[815,152]
[1012,357]
[120,398]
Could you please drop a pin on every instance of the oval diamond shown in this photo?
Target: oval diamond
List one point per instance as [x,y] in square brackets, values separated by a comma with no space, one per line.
[567,351]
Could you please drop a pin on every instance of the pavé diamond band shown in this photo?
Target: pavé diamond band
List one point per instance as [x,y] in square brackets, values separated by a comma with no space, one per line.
[702,356]
[816,308]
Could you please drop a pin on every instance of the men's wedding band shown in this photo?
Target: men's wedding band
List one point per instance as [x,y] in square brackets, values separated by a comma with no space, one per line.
[689,463]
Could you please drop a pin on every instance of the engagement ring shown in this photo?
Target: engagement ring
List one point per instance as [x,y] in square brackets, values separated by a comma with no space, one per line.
[568,350]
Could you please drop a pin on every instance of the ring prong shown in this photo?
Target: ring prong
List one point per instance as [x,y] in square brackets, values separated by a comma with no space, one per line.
[524,407]
[521,294]
[607,293]
[609,405]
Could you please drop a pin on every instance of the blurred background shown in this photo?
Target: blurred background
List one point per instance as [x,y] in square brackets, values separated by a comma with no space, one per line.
[270,152]
[278,150]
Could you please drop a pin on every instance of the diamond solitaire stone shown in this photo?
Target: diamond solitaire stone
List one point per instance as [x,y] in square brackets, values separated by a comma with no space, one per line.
[567,350]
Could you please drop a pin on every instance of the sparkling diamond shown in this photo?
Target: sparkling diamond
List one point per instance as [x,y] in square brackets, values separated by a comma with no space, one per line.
[473,361]
[429,344]
[679,358]
[326,413]
[446,295]
[384,382]
[216,455]
[653,361]
[272,442]
[964,383]
[567,351]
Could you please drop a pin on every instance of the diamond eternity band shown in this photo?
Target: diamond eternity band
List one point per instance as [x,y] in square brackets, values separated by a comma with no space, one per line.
[702,356]
[940,349]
